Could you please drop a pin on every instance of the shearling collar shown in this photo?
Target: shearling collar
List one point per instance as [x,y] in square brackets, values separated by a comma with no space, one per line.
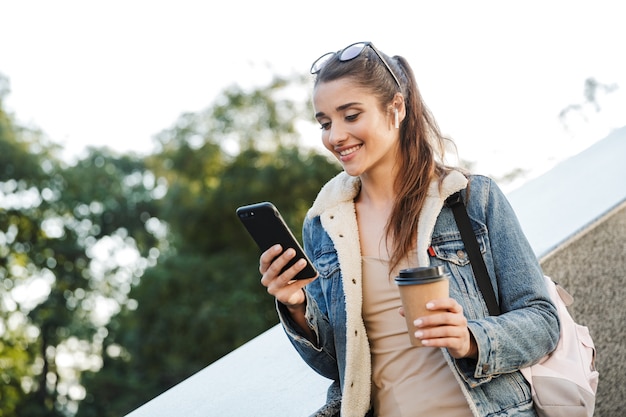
[335,207]
[343,188]
[340,189]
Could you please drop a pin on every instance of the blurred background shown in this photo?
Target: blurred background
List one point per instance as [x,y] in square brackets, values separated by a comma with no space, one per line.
[131,131]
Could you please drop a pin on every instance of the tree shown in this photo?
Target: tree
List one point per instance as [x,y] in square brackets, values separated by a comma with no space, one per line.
[20,173]
[54,222]
[203,299]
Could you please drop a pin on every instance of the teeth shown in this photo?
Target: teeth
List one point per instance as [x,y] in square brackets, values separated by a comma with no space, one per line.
[349,150]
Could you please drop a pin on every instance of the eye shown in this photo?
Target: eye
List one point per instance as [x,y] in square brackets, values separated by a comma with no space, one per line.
[352,117]
[325,125]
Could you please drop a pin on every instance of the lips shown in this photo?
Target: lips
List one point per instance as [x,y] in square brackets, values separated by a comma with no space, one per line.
[348,151]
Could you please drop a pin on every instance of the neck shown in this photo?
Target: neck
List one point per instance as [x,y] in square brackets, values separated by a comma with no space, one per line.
[377,191]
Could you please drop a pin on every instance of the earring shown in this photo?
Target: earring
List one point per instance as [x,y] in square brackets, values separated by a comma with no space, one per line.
[396,118]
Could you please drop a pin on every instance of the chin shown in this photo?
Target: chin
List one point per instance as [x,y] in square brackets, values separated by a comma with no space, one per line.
[352,171]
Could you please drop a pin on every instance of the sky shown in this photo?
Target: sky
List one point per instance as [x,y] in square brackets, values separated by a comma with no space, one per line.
[496,74]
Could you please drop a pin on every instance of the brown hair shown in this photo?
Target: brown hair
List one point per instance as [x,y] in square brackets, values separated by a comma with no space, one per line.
[421,147]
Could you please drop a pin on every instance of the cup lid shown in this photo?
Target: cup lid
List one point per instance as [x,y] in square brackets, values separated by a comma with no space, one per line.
[421,274]
[423,271]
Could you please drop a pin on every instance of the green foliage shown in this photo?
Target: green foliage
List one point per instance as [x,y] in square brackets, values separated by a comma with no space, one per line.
[189,292]
[16,357]
[203,299]
[53,219]
[17,164]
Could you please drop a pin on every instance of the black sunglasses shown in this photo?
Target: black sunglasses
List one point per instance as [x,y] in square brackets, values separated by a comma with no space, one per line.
[348,53]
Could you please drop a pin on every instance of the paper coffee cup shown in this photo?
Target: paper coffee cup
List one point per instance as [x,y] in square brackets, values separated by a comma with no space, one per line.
[417,287]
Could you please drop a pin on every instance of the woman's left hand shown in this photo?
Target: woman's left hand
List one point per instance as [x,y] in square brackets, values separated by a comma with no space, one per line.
[446,327]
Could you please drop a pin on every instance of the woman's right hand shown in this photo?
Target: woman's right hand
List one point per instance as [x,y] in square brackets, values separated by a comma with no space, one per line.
[283,286]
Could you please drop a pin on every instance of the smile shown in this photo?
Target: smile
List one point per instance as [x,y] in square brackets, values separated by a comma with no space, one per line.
[348,151]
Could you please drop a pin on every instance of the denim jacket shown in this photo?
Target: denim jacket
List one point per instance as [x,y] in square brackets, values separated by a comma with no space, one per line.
[527,329]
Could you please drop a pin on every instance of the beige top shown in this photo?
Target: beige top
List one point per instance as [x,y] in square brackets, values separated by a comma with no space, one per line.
[406,380]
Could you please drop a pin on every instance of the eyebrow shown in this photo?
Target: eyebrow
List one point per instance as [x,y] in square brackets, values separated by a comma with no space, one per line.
[340,108]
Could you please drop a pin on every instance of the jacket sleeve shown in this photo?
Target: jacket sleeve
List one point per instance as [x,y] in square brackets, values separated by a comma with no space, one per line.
[320,356]
[528,327]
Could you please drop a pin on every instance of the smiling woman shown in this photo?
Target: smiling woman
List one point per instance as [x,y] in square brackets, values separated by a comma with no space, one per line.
[387,212]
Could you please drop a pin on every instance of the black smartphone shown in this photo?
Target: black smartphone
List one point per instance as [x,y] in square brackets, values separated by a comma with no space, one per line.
[267,227]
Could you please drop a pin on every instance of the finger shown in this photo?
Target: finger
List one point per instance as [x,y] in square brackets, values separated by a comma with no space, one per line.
[456,340]
[268,257]
[290,293]
[441,332]
[275,278]
[444,318]
[271,269]
[288,276]
[449,304]
[276,266]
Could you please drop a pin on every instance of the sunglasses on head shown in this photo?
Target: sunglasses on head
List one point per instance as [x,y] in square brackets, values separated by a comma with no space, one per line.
[348,53]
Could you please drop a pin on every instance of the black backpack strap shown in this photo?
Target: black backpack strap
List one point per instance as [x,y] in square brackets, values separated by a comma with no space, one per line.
[455,202]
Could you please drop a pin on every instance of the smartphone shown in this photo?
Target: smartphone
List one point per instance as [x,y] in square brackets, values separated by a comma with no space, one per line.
[267,227]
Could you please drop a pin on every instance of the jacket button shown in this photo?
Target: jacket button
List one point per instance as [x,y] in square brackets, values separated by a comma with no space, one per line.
[460,254]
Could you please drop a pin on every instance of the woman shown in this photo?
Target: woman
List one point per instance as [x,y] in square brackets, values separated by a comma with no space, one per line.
[386,212]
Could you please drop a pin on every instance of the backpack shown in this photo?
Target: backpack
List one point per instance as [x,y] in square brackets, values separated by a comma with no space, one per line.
[564,382]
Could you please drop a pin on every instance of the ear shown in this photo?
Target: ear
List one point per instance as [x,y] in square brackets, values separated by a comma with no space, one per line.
[398,109]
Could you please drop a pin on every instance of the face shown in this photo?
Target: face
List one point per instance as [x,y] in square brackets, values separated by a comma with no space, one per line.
[355,129]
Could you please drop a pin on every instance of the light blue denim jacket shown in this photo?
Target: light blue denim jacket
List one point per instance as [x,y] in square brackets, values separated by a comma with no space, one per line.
[527,329]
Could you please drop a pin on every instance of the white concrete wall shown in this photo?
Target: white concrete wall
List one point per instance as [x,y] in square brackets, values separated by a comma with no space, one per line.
[573,195]
[264,377]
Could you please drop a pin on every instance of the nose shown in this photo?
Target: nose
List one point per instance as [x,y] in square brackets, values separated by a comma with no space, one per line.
[337,134]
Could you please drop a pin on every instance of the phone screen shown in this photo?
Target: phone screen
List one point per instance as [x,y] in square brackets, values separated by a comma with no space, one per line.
[267,227]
